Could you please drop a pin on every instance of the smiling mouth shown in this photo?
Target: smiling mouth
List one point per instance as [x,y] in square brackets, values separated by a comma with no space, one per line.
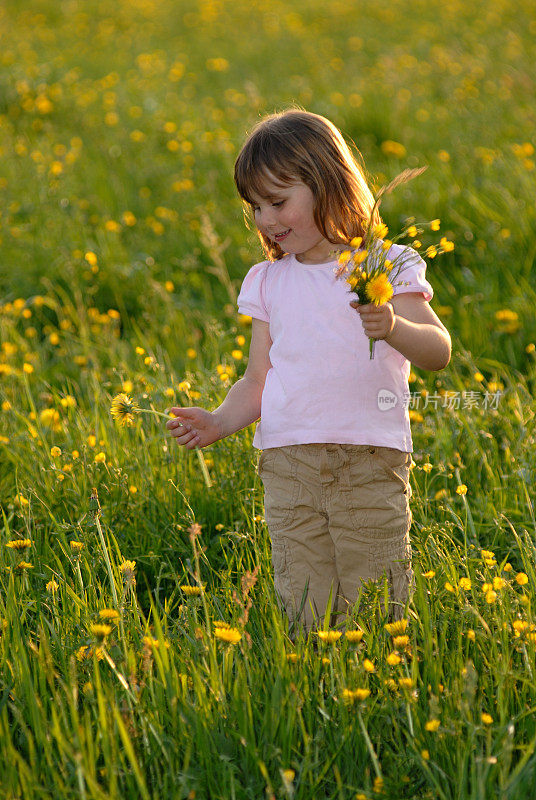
[279,236]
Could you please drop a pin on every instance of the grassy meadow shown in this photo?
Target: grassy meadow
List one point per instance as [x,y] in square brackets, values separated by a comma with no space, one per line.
[142,652]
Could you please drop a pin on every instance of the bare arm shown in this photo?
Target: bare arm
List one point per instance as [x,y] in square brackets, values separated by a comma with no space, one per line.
[242,406]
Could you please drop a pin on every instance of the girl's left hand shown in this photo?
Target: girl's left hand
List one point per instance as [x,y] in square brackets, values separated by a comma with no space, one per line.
[378,321]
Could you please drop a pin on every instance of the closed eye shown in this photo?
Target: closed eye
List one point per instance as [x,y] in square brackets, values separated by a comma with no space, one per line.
[279,203]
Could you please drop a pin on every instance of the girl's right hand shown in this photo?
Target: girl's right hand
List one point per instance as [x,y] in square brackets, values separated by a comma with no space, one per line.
[194,427]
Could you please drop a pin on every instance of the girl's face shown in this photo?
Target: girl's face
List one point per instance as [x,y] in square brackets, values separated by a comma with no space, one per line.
[285,215]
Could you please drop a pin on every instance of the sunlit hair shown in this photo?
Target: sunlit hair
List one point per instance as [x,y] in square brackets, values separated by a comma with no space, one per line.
[296,144]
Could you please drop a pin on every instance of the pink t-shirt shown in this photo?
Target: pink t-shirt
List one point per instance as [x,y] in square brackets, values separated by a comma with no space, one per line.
[323,386]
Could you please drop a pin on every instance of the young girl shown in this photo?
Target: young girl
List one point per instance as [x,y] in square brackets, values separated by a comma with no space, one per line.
[334,431]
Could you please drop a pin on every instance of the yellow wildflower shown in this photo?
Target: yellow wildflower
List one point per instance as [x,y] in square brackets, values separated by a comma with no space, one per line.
[191,591]
[109,614]
[20,545]
[123,409]
[231,635]
[396,628]
[379,289]
[329,636]
[100,631]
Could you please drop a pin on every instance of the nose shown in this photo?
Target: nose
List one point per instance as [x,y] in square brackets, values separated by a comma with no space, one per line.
[266,218]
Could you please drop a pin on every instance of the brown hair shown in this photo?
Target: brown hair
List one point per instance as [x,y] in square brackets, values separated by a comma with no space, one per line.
[296,144]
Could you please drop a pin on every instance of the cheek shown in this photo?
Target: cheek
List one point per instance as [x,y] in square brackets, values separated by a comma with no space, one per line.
[300,218]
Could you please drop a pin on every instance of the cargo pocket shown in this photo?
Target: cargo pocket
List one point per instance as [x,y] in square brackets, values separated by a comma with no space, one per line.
[393,558]
[278,472]
[392,463]
[281,565]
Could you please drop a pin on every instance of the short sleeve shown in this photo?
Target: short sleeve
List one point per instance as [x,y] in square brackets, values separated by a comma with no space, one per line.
[412,274]
[252,298]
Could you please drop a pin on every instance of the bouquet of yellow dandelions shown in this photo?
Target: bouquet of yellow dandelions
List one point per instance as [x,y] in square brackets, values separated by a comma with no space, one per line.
[124,410]
[366,268]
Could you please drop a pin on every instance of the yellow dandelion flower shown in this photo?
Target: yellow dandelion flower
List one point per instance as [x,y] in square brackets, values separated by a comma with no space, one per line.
[406,683]
[380,231]
[491,596]
[449,587]
[461,489]
[465,583]
[400,642]
[20,545]
[76,547]
[391,148]
[127,569]
[471,634]
[22,565]
[432,725]
[191,591]
[329,636]
[429,574]
[521,578]
[83,652]
[100,458]
[369,666]
[434,225]
[52,586]
[55,452]
[393,659]
[498,583]
[356,241]
[486,719]
[124,409]
[396,628]
[109,614]
[92,440]
[379,289]
[354,636]
[292,657]
[412,231]
[49,417]
[100,631]
[520,626]
[231,635]
[425,754]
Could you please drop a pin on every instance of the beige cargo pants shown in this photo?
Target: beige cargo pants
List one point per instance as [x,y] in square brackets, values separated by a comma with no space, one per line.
[338,515]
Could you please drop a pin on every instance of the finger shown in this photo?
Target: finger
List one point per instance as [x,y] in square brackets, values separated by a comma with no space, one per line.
[180,429]
[186,438]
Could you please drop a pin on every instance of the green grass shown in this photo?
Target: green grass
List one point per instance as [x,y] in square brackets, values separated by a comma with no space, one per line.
[119,126]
